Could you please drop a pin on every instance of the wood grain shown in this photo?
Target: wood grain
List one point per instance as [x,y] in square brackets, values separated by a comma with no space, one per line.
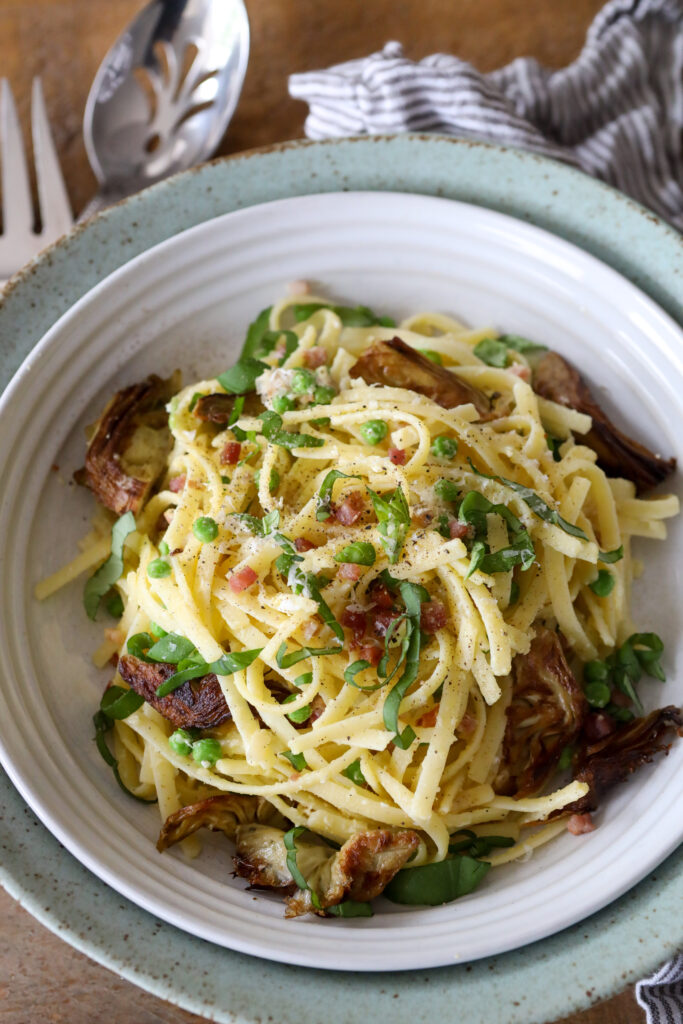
[41,978]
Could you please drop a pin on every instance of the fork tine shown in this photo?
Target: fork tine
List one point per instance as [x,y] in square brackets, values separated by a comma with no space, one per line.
[55,210]
[17,210]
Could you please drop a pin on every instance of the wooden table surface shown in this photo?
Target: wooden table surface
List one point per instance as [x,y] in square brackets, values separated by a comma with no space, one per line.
[41,978]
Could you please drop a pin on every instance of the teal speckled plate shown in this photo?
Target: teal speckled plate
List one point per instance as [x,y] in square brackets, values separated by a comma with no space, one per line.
[540,982]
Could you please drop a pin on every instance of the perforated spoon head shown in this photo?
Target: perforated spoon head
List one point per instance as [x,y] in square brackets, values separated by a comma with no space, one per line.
[164,94]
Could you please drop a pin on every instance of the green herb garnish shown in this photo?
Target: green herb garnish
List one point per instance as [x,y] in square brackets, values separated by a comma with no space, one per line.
[324,505]
[354,773]
[118,703]
[393,517]
[110,571]
[360,316]
[537,505]
[520,551]
[359,553]
[241,378]
[297,761]
[604,584]
[235,661]
[271,428]
[102,725]
[492,351]
[285,660]
[433,884]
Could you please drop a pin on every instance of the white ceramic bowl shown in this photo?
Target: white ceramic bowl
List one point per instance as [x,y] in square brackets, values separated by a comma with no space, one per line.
[187,303]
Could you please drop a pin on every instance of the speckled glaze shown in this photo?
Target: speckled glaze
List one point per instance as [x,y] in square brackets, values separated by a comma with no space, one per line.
[540,982]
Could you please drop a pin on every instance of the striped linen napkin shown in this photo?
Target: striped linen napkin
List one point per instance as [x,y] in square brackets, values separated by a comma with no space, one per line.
[616,112]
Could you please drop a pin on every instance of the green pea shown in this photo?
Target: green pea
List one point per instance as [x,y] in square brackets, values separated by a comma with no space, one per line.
[323,395]
[444,447]
[446,490]
[206,752]
[597,694]
[434,357]
[595,671]
[180,742]
[303,381]
[164,548]
[374,431]
[274,482]
[158,568]
[205,529]
[283,403]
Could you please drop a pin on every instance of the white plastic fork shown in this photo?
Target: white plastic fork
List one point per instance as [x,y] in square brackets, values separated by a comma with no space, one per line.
[19,242]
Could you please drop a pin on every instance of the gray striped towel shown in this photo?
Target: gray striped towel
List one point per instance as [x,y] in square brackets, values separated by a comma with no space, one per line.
[616,112]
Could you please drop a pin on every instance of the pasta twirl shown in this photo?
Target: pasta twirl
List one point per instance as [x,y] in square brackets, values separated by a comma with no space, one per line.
[329,597]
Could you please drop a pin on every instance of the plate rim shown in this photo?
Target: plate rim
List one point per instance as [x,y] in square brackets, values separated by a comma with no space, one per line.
[553,170]
[480,226]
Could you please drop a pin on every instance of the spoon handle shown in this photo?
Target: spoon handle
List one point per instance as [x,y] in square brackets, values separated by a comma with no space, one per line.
[102,200]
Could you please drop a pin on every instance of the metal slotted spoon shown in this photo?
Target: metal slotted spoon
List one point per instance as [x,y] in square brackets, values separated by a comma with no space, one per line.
[164,94]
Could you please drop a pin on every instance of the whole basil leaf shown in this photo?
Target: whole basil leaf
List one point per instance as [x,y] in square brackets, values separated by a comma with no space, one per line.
[433,884]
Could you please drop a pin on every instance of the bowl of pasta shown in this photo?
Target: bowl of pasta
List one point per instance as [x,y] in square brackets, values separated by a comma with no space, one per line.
[339,523]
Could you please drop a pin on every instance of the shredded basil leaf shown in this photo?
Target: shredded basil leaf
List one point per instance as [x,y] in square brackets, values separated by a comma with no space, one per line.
[535,503]
[289,840]
[262,526]
[324,505]
[301,715]
[172,648]
[350,908]
[139,644]
[492,352]
[359,553]
[110,571]
[271,428]
[393,518]
[360,316]
[604,584]
[521,344]
[255,332]
[479,846]
[354,773]
[608,557]
[225,666]
[102,726]
[285,660]
[241,378]
[414,596]
[474,509]
[118,703]
[354,669]
[297,761]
